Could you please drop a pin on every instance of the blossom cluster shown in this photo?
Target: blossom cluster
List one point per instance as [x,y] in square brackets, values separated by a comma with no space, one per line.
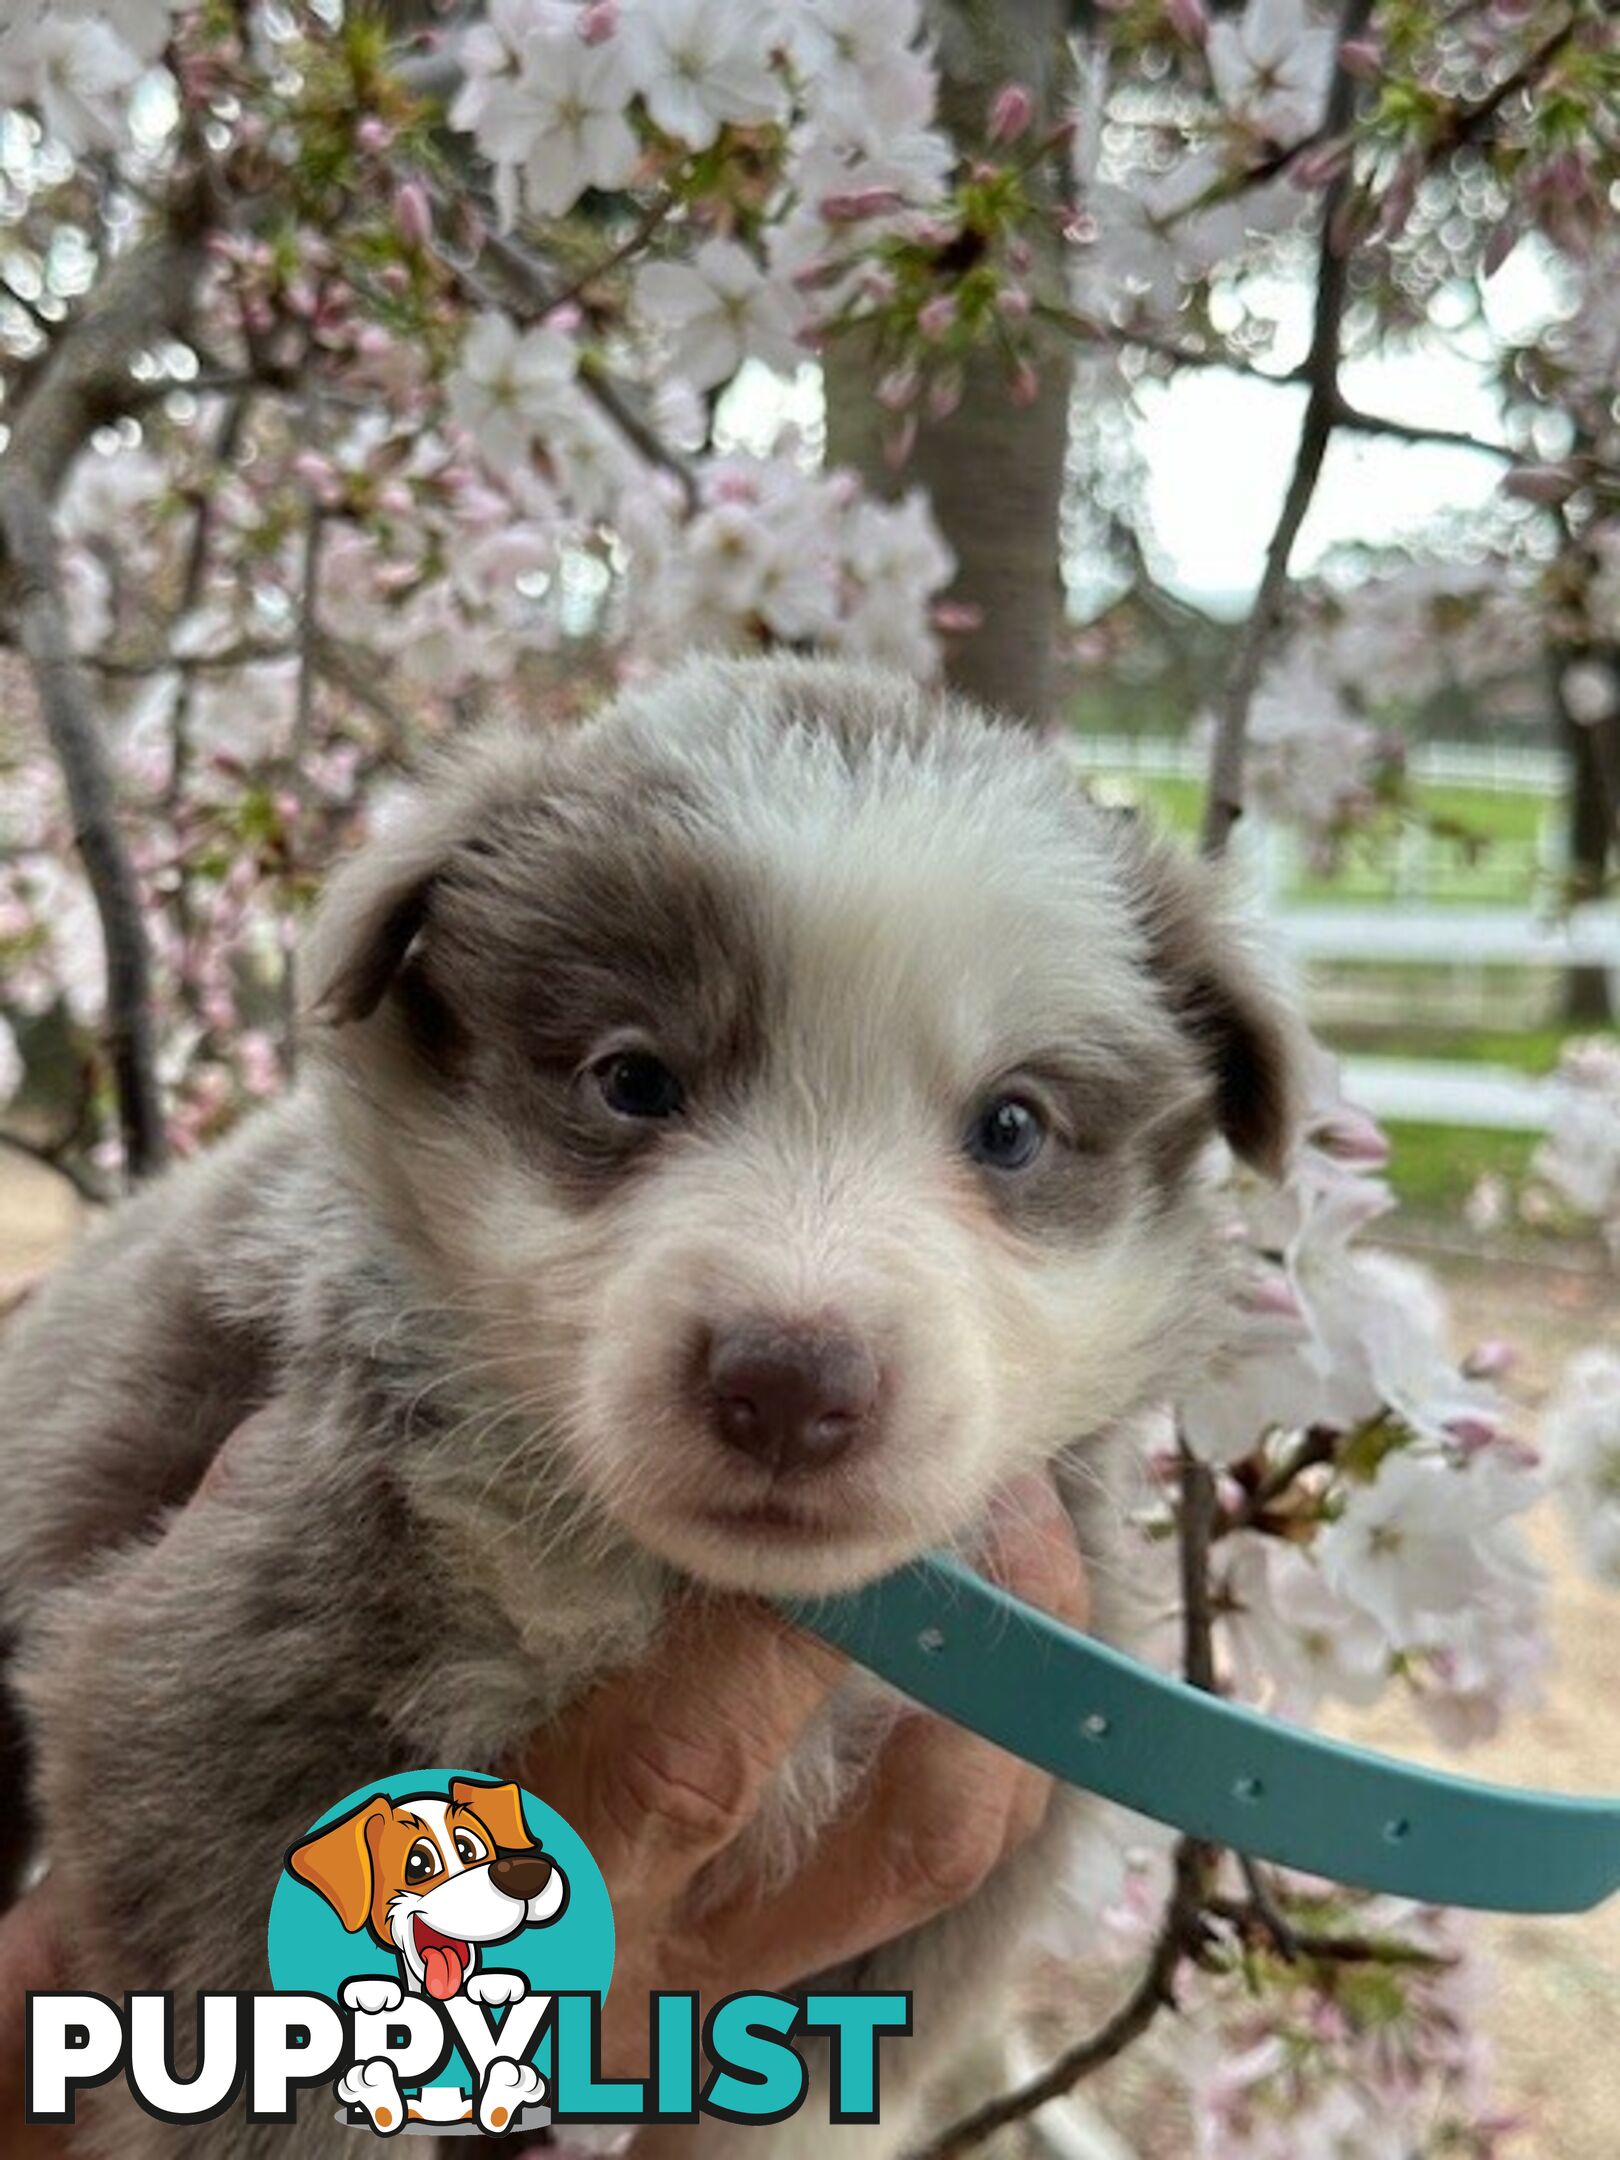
[1580,1156]
[1582,1432]
[1372,1491]
[77,61]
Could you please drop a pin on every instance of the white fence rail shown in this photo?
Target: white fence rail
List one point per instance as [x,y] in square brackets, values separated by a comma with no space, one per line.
[1500,768]
[1437,911]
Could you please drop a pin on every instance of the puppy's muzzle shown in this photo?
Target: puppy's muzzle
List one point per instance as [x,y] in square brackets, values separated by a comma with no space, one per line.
[794,1400]
[520,1875]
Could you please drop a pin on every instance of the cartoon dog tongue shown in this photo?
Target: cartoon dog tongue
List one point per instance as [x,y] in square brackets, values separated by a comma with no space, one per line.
[444,1961]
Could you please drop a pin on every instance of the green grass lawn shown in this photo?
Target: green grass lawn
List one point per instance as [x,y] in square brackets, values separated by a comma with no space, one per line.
[1482,849]
[1481,845]
[1527,1050]
[1433,1168]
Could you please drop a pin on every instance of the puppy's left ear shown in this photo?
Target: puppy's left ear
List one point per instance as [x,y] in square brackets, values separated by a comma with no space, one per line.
[1248,1038]
[499,1807]
[371,914]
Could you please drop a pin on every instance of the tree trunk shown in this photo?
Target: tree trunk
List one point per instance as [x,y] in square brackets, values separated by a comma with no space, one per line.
[994,471]
[1594,766]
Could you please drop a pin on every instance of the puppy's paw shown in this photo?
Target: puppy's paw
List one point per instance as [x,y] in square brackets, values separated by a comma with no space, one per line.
[374,1994]
[507,2089]
[374,2087]
[495,1987]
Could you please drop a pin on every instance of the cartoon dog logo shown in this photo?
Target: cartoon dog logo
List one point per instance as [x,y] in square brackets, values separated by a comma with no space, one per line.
[436,1878]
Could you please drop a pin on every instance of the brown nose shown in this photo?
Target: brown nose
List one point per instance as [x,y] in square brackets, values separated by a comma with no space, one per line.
[521,1875]
[794,1401]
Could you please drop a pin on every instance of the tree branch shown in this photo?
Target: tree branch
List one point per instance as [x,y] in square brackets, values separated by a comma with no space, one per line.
[1224,803]
[84,383]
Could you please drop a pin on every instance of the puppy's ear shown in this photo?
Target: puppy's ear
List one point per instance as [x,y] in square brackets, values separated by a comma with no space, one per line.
[1248,1040]
[371,914]
[337,1862]
[499,1807]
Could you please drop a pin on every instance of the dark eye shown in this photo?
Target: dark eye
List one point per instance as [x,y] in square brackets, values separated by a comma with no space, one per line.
[635,1084]
[421,1862]
[1007,1134]
[469,1849]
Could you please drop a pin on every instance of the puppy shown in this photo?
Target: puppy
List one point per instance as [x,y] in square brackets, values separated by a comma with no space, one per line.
[736,1138]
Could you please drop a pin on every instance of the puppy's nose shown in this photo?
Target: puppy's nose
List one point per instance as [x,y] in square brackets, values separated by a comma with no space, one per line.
[521,1875]
[792,1400]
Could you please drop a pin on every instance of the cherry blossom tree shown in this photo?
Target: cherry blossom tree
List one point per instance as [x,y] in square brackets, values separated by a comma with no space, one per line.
[368,369]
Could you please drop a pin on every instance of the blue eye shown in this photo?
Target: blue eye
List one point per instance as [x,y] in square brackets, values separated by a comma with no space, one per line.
[1007,1134]
[635,1084]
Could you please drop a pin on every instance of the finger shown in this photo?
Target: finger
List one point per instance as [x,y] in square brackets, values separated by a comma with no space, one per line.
[1032,1550]
[941,1810]
[31,1959]
[661,1765]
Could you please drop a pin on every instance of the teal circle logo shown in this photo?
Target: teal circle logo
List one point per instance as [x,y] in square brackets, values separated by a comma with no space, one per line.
[442,1882]
[314,1949]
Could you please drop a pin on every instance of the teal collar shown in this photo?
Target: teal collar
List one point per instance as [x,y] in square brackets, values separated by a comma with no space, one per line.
[1211,1768]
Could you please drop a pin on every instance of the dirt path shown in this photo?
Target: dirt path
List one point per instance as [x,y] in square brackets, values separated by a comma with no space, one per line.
[1555,2013]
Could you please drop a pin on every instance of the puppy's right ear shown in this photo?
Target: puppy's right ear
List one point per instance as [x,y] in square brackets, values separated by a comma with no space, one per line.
[373,910]
[337,1862]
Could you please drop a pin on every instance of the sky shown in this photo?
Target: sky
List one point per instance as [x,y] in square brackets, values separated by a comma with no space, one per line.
[1218,447]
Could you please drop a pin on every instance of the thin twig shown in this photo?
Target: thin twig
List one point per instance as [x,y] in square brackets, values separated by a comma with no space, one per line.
[309,670]
[1223,805]
[532,279]
[1153,1992]
[1359,422]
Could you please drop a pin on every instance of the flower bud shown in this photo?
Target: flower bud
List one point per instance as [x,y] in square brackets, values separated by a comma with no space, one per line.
[1011,111]
[935,317]
[944,394]
[851,205]
[413,216]
[1189,19]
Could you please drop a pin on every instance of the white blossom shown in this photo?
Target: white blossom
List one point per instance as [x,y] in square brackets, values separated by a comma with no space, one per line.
[1424,1539]
[559,124]
[720,309]
[1581,1429]
[78,73]
[1295,1641]
[1580,1157]
[865,80]
[11,1062]
[699,64]
[1271,68]
[508,386]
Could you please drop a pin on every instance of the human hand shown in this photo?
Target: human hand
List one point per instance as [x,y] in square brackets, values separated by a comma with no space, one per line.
[663,1767]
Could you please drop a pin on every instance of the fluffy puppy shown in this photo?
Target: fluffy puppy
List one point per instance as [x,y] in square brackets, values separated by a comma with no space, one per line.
[737,1137]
